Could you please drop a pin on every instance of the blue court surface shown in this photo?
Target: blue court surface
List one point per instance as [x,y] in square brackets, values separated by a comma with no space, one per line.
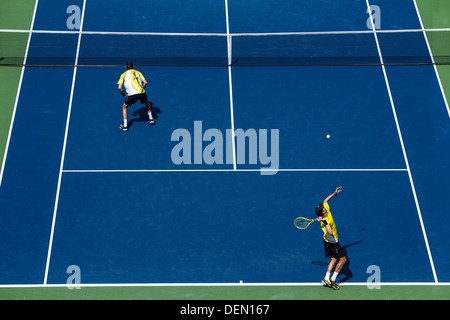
[76,190]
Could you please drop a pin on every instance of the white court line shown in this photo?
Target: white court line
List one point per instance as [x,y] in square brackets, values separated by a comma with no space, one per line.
[230,84]
[18,93]
[403,145]
[228,170]
[432,58]
[234,284]
[64,147]
[206,34]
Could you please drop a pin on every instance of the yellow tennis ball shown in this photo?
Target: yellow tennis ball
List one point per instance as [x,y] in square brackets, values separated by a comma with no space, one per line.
[328,136]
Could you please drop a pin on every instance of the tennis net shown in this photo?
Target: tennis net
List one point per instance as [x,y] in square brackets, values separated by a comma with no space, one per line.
[408,47]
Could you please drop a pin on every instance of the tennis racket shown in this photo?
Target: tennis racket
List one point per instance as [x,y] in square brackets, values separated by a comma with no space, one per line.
[303,223]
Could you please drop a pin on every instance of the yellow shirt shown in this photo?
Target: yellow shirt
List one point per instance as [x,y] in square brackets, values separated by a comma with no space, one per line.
[132,80]
[329,219]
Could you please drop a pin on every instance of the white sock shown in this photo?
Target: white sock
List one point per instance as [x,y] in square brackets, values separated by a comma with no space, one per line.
[150,115]
[333,278]
[327,276]
[125,122]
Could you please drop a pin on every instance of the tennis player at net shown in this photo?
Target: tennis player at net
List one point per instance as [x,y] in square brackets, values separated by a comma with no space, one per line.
[135,84]
[333,249]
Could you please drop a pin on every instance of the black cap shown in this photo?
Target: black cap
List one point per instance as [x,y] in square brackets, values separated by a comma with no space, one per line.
[129,65]
[319,210]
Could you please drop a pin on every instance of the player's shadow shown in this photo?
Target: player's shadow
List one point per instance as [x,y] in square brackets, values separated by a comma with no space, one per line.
[141,115]
[346,271]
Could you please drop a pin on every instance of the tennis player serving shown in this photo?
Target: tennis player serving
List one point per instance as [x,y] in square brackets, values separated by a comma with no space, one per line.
[135,84]
[333,249]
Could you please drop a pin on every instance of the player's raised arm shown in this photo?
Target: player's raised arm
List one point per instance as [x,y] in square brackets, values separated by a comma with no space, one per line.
[335,193]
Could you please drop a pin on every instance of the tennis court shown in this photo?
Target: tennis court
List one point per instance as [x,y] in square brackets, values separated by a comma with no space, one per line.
[254,87]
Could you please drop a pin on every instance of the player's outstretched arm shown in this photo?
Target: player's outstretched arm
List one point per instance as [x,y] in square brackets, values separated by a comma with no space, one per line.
[335,193]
